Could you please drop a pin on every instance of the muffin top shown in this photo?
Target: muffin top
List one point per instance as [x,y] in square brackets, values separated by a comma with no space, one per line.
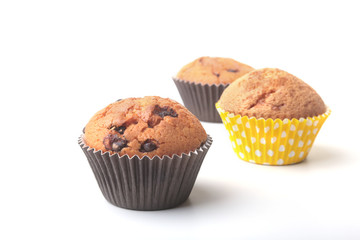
[213,70]
[146,126]
[271,93]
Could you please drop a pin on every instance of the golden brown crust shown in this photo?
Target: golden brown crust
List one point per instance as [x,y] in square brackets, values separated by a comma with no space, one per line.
[213,70]
[271,93]
[146,126]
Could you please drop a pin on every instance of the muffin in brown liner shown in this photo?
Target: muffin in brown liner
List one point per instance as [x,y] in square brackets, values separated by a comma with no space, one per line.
[200,98]
[145,183]
[202,81]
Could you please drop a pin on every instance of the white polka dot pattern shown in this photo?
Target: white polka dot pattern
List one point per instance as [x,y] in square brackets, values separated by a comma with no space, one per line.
[270,153]
[272,142]
[258,153]
[281,148]
[266,129]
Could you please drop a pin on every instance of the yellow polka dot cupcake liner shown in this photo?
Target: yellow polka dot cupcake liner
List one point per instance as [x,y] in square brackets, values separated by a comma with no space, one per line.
[269,141]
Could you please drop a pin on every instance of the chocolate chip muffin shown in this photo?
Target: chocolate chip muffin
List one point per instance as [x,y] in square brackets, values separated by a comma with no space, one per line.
[201,83]
[145,152]
[271,93]
[213,70]
[149,126]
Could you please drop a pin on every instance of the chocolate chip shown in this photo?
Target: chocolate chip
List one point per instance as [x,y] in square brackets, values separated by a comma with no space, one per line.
[164,111]
[232,70]
[118,145]
[148,146]
[216,74]
[84,130]
[114,143]
[120,129]
[118,100]
[108,141]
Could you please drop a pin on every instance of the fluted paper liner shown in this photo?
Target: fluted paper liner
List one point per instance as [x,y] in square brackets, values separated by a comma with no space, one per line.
[145,183]
[269,141]
[200,98]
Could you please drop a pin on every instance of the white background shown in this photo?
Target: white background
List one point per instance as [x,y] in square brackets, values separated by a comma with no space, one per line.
[61,61]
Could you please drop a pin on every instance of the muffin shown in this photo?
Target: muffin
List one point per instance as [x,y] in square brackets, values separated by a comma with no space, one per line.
[145,152]
[272,116]
[201,83]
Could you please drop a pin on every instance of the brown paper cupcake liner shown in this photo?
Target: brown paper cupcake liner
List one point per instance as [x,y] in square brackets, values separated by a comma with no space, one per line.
[145,183]
[200,98]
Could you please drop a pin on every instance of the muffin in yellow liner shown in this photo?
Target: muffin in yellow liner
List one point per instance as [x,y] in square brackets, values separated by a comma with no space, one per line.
[273,117]
[269,141]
